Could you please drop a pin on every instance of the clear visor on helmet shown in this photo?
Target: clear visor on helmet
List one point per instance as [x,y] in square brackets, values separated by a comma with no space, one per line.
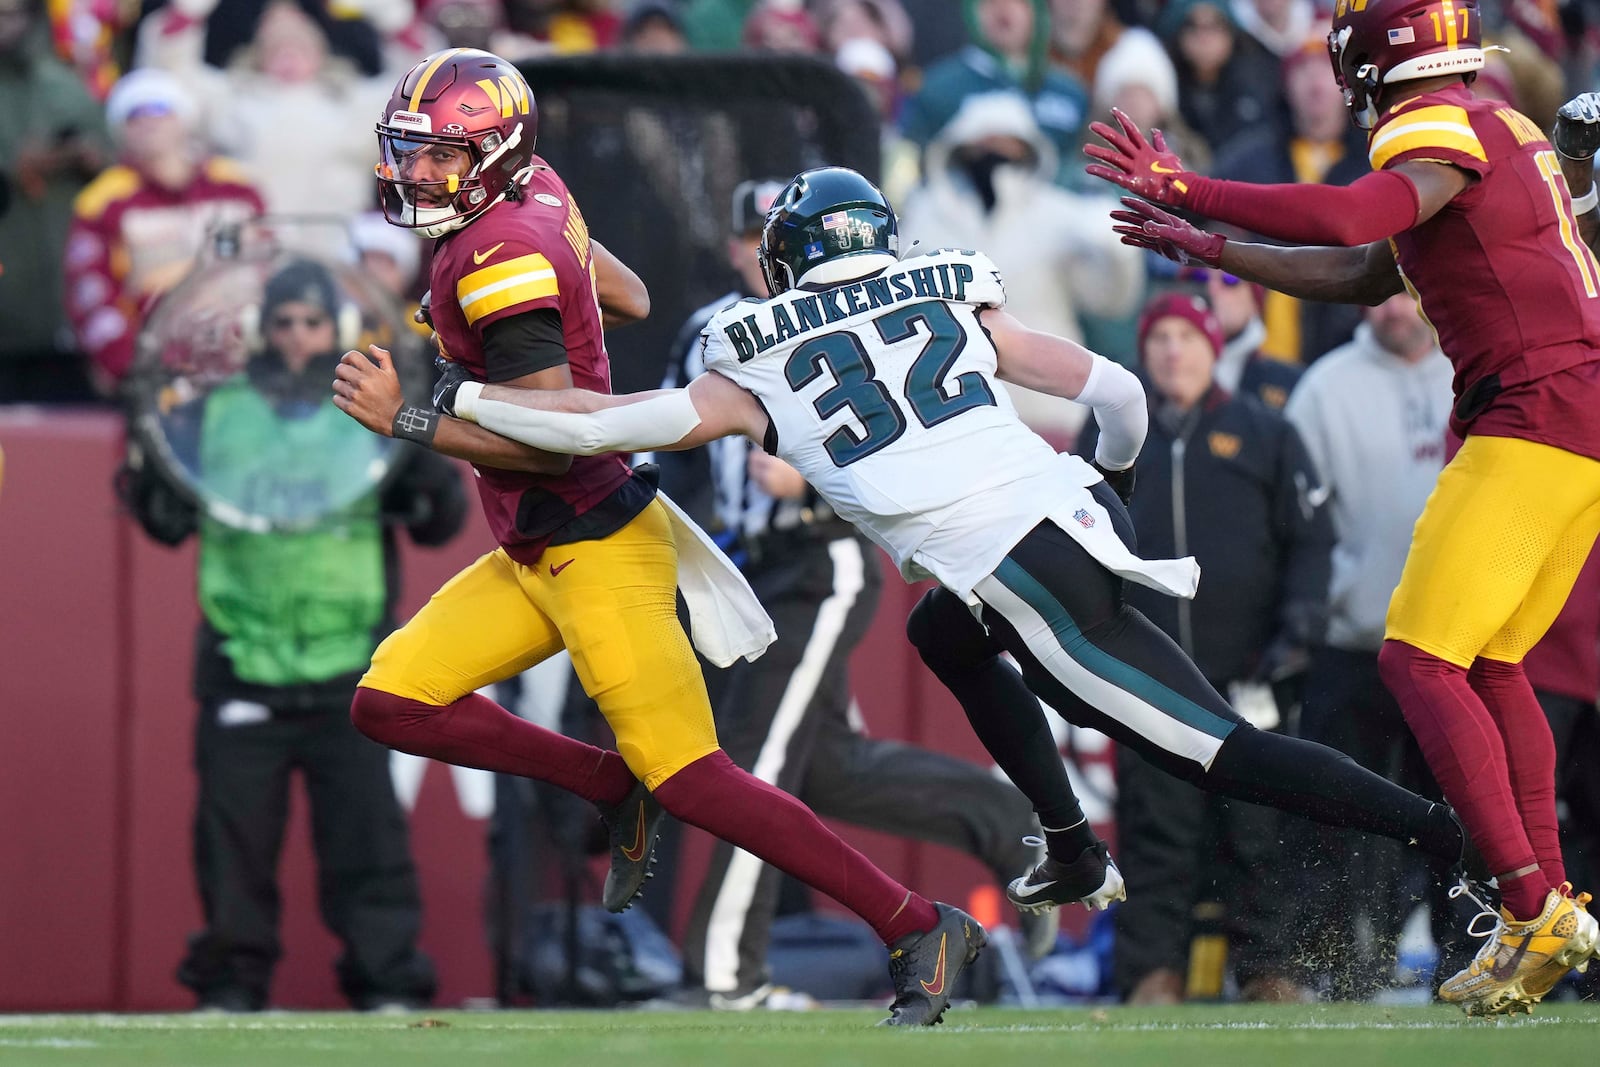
[426,172]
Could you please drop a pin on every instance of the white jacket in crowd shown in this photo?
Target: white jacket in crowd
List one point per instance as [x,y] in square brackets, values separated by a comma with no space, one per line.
[307,145]
[1055,248]
[1375,426]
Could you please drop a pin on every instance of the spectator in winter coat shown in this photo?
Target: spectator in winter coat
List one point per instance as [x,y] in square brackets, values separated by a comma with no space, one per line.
[1010,39]
[1226,81]
[286,86]
[137,228]
[289,618]
[1083,32]
[988,186]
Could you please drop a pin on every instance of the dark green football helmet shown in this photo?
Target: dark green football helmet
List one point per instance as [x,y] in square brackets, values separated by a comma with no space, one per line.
[823,216]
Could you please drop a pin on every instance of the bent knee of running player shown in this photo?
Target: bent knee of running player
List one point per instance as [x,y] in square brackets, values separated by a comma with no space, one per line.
[946,634]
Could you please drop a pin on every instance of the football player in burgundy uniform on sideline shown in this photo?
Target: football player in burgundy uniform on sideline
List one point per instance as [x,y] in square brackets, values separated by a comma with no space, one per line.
[1468,208]
[588,558]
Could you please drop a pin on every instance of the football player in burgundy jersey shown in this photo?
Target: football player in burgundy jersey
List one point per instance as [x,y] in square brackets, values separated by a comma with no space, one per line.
[586,557]
[1467,208]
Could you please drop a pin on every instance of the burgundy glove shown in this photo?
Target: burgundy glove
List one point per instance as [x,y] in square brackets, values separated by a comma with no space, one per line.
[1149,169]
[1144,225]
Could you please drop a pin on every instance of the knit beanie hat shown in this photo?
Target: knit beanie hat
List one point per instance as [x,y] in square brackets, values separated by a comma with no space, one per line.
[1187,306]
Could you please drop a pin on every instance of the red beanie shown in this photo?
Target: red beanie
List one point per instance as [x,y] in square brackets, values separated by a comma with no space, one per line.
[1189,307]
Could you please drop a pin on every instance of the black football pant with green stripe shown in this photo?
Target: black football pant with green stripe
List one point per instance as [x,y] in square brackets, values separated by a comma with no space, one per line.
[1099,663]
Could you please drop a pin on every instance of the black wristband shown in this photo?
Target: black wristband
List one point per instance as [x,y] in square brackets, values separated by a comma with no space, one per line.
[415,424]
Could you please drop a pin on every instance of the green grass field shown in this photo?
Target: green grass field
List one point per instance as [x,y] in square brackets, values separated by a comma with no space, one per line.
[1201,1036]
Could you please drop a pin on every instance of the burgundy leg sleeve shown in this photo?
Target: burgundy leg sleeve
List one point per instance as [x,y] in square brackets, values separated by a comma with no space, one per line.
[1530,756]
[715,795]
[477,732]
[1462,745]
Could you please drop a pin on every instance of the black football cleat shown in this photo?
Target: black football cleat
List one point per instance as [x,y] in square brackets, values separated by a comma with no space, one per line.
[1091,880]
[632,826]
[924,967]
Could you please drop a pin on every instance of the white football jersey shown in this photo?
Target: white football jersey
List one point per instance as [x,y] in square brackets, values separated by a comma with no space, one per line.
[883,393]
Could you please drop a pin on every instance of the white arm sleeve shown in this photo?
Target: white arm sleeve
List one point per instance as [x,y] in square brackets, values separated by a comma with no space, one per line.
[1119,407]
[653,423]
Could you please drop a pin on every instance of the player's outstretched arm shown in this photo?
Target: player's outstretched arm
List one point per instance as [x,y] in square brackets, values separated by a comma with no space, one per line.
[1372,208]
[622,294]
[1362,275]
[583,423]
[1036,360]
[1365,275]
[368,390]
[1064,368]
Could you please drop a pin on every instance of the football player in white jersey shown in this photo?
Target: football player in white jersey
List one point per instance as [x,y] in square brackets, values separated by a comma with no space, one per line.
[876,378]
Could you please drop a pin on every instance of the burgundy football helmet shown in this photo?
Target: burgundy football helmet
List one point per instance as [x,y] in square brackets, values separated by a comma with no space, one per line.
[1375,43]
[465,99]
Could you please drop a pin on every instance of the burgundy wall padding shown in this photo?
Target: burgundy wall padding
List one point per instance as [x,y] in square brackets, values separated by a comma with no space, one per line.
[97,787]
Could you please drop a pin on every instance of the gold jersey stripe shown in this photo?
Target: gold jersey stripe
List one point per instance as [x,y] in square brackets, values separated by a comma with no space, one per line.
[1440,126]
[112,184]
[515,281]
[1520,125]
[496,272]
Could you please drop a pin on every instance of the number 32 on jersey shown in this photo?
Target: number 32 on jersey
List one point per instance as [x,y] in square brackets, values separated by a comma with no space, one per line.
[858,389]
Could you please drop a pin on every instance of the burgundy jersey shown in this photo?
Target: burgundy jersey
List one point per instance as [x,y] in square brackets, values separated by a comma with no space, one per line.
[518,256]
[1500,271]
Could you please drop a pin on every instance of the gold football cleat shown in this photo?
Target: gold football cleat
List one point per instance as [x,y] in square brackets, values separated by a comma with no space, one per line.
[1539,983]
[1522,961]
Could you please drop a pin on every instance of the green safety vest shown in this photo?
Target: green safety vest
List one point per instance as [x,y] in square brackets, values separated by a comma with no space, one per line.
[292,606]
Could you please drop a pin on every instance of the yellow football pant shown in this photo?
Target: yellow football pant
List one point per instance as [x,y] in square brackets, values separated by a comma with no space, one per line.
[611,603]
[1496,550]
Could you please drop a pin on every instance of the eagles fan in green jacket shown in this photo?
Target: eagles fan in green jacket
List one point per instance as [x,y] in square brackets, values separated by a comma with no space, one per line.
[289,621]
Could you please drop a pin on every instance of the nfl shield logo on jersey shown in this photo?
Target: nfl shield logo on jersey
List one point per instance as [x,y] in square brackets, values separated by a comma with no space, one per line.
[1085,519]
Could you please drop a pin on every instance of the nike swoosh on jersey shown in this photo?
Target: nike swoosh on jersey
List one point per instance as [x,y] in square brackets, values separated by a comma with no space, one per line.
[935,987]
[479,257]
[557,568]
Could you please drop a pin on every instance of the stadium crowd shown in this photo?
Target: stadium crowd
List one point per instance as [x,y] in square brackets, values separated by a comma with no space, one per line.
[1310,432]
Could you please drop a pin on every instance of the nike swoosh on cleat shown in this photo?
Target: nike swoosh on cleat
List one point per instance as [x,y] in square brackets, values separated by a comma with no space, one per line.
[479,257]
[636,853]
[935,987]
[1034,888]
[557,568]
[1503,972]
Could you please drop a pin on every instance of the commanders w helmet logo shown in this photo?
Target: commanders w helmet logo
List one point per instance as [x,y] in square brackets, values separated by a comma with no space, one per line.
[505,94]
